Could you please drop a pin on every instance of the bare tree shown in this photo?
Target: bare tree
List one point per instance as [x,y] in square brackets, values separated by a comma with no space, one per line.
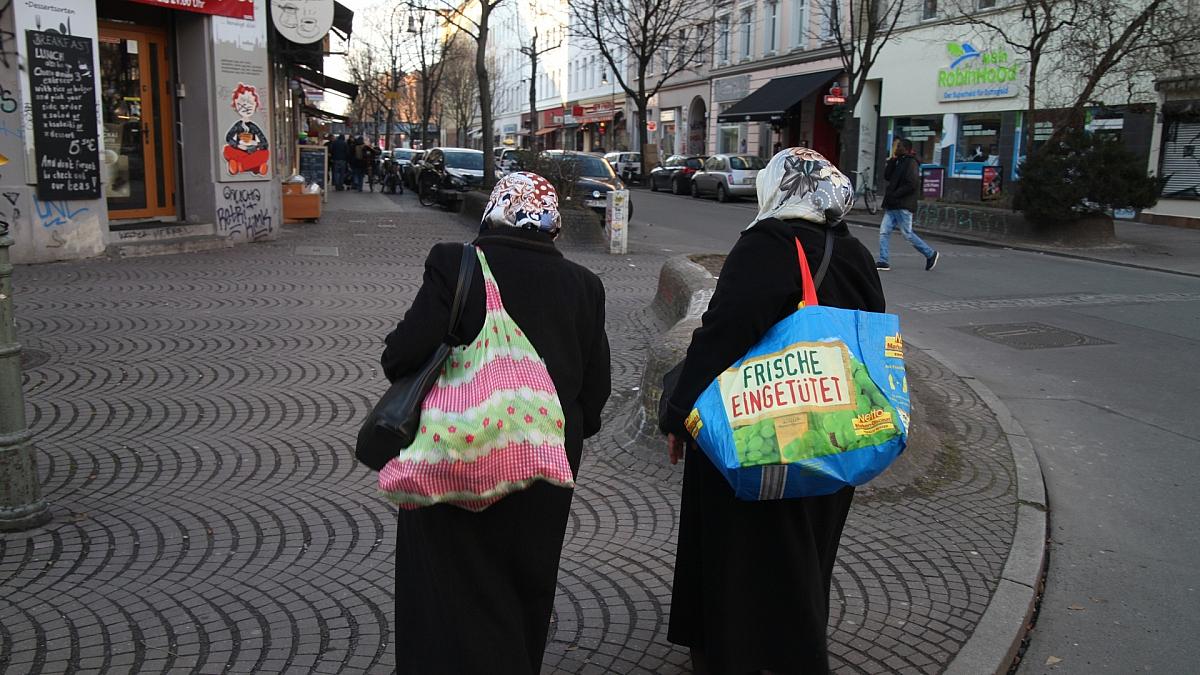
[427,52]
[366,72]
[460,89]
[630,34]
[860,29]
[472,18]
[533,49]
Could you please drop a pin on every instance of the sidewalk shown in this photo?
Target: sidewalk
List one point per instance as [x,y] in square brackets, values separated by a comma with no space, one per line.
[1154,247]
[195,413]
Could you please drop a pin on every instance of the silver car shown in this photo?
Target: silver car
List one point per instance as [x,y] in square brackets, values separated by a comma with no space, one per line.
[728,176]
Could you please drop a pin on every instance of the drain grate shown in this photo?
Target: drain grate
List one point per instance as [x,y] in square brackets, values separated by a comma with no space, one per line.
[317,250]
[32,358]
[1031,335]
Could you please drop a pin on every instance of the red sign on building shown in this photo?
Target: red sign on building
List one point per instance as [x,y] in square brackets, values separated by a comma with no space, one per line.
[235,9]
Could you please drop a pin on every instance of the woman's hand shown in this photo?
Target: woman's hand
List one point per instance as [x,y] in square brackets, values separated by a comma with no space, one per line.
[675,447]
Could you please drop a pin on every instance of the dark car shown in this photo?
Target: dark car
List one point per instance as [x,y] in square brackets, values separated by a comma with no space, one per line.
[408,171]
[675,174]
[446,173]
[596,179]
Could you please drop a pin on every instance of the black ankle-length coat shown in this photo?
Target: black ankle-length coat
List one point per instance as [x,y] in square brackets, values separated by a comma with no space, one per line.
[752,579]
[474,591]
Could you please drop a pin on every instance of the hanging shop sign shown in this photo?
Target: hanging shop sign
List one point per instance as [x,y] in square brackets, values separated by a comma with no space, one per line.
[62,84]
[234,9]
[973,75]
[835,96]
[302,21]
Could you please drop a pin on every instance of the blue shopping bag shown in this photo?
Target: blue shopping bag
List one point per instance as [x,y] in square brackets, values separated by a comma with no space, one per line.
[821,402]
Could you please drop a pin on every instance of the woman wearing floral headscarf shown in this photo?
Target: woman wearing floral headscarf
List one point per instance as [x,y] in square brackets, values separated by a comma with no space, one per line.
[474,590]
[752,579]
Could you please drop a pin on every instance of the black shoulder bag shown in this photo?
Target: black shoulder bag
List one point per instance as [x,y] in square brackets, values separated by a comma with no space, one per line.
[392,425]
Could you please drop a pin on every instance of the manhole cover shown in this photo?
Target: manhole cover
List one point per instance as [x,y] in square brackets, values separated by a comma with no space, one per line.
[1031,335]
[32,358]
[317,250]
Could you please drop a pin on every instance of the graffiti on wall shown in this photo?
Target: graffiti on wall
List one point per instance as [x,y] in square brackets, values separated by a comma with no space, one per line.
[244,215]
[951,218]
[56,213]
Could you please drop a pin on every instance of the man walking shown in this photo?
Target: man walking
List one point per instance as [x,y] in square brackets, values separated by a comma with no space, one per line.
[339,156]
[903,175]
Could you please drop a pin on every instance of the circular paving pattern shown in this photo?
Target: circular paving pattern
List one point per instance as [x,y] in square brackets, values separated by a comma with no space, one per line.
[194,417]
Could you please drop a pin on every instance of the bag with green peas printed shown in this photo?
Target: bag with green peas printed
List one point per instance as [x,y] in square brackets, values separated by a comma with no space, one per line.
[820,403]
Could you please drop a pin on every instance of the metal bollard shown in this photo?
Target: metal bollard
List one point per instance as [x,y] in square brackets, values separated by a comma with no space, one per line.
[21,503]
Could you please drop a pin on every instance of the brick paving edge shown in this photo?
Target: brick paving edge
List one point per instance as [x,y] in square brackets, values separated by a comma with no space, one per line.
[950,236]
[994,645]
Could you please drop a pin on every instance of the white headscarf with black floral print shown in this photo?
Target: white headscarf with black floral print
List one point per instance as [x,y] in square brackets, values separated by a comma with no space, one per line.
[525,200]
[801,183]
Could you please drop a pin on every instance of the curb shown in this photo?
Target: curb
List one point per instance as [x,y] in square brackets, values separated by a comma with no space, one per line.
[950,236]
[994,645]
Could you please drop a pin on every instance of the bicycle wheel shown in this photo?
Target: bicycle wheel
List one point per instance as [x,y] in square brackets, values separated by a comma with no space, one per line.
[869,201]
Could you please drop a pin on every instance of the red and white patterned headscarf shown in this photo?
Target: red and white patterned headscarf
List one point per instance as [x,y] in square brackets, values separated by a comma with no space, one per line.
[525,200]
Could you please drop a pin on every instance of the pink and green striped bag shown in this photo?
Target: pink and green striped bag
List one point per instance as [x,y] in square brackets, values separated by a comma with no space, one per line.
[491,425]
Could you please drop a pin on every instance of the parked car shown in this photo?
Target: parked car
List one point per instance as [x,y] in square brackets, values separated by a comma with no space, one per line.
[446,173]
[628,165]
[596,179]
[675,174]
[728,176]
[506,159]
[408,172]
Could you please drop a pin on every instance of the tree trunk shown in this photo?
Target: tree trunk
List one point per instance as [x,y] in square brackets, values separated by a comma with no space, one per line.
[533,64]
[485,89]
[1031,122]
[642,104]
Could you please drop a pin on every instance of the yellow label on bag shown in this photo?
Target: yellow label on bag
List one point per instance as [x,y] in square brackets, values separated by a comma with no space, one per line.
[873,422]
[893,346]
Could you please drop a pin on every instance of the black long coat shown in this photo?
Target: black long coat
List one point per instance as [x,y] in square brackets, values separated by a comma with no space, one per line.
[474,591]
[752,579]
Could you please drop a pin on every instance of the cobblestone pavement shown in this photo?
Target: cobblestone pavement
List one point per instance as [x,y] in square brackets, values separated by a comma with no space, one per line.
[194,415]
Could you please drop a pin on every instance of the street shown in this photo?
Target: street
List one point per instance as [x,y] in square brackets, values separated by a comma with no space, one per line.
[1108,420]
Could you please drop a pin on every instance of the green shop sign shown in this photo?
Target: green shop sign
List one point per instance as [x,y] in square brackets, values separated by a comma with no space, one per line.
[974,75]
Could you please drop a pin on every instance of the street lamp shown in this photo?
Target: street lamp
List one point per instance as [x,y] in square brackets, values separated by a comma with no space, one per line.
[612,103]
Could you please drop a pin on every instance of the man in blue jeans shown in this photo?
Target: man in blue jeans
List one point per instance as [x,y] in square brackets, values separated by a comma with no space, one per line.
[903,175]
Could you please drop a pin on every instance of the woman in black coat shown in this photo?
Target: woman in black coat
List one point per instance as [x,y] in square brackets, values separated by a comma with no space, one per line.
[752,579]
[475,590]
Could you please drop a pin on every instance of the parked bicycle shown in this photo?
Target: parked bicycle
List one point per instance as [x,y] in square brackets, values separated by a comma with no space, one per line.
[864,188]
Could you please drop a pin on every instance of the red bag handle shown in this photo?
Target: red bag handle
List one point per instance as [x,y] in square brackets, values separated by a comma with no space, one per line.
[806,280]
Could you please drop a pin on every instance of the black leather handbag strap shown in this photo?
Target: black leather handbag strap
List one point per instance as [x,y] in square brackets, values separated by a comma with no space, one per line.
[826,256]
[466,272]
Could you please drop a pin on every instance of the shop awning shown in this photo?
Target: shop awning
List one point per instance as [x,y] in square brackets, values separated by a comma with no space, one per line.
[547,130]
[774,99]
[325,82]
[324,114]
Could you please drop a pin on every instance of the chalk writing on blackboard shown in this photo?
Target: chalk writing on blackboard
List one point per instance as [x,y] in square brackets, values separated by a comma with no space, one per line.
[66,139]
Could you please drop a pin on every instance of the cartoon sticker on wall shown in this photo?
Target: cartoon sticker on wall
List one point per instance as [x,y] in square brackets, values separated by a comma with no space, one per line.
[246,149]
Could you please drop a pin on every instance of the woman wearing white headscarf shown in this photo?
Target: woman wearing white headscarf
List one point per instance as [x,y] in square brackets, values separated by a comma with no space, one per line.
[474,591]
[752,579]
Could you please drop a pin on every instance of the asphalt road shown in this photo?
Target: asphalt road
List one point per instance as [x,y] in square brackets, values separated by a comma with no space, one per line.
[1112,418]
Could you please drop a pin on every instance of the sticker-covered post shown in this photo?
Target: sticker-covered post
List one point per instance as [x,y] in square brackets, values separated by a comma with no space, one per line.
[616,221]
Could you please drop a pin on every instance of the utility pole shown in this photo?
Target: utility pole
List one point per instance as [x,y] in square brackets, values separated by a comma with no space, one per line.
[21,503]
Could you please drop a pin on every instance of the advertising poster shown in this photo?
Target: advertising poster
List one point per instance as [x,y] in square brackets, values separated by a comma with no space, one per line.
[242,97]
[992,185]
[932,179]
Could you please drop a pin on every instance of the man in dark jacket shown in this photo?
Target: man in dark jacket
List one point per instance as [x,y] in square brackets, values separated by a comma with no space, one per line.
[903,176]
[339,158]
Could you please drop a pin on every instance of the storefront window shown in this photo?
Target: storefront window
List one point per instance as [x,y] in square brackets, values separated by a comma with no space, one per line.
[728,138]
[978,144]
[925,134]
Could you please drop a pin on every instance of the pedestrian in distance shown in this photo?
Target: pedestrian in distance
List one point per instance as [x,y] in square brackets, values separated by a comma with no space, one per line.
[475,589]
[360,155]
[752,579]
[903,176]
[339,158]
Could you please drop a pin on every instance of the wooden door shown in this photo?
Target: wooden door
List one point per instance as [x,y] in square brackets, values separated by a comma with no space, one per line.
[137,105]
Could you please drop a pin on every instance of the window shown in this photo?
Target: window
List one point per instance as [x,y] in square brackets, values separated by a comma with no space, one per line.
[925,134]
[833,20]
[747,31]
[799,23]
[929,9]
[723,39]
[977,145]
[772,26]
[987,4]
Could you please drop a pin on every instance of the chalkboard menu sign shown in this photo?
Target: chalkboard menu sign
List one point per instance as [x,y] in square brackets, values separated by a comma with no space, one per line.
[313,164]
[66,138]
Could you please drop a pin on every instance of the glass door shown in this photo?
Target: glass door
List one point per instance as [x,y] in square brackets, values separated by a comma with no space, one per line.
[138,139]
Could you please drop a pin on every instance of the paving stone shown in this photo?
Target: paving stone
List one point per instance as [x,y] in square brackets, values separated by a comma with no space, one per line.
[194,421]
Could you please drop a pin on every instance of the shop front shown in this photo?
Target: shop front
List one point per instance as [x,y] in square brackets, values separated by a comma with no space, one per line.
[682,119]
[761,111]
[169,123]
